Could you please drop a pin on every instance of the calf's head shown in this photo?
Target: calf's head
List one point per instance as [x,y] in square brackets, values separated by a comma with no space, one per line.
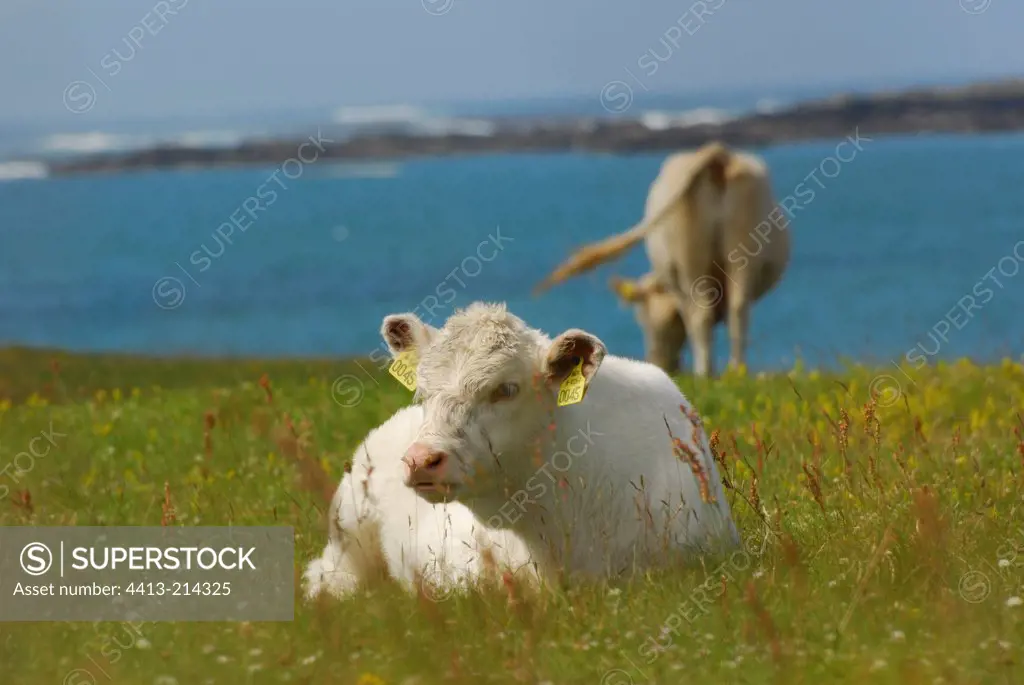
[657,314]
[488,384]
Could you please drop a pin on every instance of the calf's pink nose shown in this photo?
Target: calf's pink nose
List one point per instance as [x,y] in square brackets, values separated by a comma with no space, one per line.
[424,461]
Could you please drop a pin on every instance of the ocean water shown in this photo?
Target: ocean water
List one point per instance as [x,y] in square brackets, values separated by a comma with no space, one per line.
[884,253]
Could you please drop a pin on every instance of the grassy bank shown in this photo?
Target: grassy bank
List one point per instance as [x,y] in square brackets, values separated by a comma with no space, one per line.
[887,545]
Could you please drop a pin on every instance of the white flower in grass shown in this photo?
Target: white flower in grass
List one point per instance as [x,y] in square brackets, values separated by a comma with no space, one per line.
[1014,602]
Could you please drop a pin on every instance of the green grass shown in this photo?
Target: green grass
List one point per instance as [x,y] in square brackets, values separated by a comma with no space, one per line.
[856,573]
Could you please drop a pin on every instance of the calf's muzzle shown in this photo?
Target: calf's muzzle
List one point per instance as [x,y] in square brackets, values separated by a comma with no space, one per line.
[425,465]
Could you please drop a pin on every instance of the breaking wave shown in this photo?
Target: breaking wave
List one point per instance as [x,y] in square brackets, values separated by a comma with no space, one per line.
[658,120]
[13,171]
[411,119]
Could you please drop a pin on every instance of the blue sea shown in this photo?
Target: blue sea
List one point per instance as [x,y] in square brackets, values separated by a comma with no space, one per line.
[884,253]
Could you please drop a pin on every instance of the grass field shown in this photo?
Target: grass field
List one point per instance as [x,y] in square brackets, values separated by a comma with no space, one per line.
[884,539]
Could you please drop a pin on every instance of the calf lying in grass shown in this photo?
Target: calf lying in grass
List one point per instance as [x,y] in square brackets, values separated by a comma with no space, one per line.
[381,528]
[620,478]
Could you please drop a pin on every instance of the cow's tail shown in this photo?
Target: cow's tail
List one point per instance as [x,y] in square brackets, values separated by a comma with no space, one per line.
[590,256]
[711,158]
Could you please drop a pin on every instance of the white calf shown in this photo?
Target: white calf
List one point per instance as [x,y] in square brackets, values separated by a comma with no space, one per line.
[596,487]
[380,527]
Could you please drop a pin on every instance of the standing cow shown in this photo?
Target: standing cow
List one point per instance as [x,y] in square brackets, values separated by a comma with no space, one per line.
[714,243]
[619,480]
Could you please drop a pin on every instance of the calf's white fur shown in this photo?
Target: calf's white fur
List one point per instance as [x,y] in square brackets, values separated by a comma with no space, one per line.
[593,488]
[378,527]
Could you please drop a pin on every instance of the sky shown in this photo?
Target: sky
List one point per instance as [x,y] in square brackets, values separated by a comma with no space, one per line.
[197,57]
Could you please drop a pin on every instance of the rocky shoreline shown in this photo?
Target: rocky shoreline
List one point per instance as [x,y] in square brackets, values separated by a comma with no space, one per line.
[987,107]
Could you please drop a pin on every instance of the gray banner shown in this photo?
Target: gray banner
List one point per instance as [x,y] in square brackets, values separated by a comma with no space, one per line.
[134,573]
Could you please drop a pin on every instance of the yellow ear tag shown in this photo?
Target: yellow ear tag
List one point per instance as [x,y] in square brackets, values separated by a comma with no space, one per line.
[404,369]
[573,387]
[627,290]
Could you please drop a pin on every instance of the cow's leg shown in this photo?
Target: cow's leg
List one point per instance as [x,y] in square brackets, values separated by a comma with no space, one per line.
[353,554]
[336,572]
[700,323]
[739,322]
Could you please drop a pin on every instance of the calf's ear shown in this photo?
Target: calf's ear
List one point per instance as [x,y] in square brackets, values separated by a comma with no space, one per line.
[568,349]
[627,290]
[405,332]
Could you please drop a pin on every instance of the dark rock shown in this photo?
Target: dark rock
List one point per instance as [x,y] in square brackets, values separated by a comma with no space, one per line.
[991,107]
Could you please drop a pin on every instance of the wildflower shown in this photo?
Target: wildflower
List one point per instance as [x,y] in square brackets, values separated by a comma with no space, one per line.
[1014,602]
[898,636]
[370,679]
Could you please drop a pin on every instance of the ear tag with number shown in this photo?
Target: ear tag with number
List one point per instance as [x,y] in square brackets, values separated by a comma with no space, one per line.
[573,387]
[404,369]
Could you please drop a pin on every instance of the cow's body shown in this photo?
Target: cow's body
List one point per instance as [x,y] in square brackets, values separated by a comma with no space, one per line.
[595,488]
[621,500]
[379,527]
[715,239]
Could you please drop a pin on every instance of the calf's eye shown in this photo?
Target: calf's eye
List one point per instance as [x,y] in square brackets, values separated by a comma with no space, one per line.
[505,391]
